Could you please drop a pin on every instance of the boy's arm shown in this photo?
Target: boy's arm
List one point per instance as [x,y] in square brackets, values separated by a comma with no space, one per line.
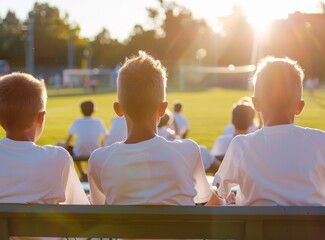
[68,141]
[228,174]
[96,193]
[74,192]
[185,133]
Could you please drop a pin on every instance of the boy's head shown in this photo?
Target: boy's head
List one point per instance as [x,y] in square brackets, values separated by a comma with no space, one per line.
[22,98]
[141,86]
[242,116]
[278,86]
[178,107]
[87,107]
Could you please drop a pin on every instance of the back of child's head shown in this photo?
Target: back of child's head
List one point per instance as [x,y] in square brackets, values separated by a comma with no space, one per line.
[278,83]
[22,97]
[87,107]
[242,116]
[178,107]
[141,86]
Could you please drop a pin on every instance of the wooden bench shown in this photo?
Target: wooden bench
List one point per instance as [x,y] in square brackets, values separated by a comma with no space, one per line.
[198,222]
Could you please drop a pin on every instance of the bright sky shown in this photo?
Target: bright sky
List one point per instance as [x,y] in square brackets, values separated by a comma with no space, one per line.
[120,16]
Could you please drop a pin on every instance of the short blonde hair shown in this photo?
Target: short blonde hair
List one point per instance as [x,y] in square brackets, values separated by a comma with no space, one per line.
[141,86]
[278,82]
[22,97]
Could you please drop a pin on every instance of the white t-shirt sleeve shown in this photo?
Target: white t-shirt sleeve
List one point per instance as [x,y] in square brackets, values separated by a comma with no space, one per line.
[202,186]
[102,128]
[74,193]
[72,129]
[229,170]
[220,146]
[97,195]
[207,157]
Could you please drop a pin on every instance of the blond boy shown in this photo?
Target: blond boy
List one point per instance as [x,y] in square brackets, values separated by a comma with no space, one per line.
[146,168]
[30,173]
[282,163]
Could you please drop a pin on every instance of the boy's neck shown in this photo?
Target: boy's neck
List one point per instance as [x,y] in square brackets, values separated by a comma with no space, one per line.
[21,136]
[140,131]
[239,132]
[278,119]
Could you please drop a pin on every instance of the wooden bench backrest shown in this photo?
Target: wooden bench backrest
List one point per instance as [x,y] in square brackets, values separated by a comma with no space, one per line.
[198,222]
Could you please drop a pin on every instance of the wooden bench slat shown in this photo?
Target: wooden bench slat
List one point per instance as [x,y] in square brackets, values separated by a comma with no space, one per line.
[163,221]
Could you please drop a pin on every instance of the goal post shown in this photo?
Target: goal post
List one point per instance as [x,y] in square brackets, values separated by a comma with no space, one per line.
[219,72]
[74,78]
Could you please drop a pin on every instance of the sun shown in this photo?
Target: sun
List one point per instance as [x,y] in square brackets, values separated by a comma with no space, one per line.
[261,23]
[260,14]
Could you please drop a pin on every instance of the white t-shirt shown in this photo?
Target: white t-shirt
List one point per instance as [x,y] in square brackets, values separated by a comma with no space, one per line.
[221,145]
[230,129]
[88,131]
[181,122]
[38,174]
[154,172]
[118,131]
[207,157]
[278,165]
[167,133]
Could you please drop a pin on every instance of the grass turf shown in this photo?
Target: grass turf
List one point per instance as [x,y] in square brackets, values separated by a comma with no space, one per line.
[208,111]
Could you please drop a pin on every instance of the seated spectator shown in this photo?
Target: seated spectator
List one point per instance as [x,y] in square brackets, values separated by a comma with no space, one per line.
[242,119]
[32,174]
[146,168]
[180,124]
[163,127]
[118,132]
[230,129]
[282,163]
[211,163]
[89,131]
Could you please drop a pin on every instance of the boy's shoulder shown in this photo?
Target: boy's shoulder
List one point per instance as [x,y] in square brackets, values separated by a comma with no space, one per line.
[313,133]
[184,145]
[104,151]
[225,138]
[55,150]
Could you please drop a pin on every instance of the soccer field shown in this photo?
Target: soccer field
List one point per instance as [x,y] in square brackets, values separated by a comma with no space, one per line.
[208,111]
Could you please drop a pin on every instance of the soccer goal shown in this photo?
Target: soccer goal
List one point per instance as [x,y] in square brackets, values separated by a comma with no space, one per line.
[225,76]
[88,78]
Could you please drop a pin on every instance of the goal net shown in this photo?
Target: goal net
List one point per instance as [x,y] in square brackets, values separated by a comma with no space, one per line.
[85,78]
[230,76]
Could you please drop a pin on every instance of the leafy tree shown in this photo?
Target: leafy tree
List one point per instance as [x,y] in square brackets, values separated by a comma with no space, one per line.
[11,44]
[51,36]
[105,51]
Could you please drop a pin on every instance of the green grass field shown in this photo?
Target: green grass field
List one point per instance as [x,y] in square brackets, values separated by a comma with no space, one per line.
[208,111]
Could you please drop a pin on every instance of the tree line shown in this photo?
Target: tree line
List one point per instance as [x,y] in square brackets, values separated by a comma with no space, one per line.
[179,40]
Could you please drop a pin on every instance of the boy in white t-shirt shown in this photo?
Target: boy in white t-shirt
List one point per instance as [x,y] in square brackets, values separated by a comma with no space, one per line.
[146,168]
[280,164]
[242,117]
[163,127]
[89,131]
[180,124]
[117,132]
[30,173]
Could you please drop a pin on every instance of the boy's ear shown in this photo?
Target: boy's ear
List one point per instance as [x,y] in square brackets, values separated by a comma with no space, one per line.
[162,109]
[118,110]
[256,103]
[300,106]
[41,118]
